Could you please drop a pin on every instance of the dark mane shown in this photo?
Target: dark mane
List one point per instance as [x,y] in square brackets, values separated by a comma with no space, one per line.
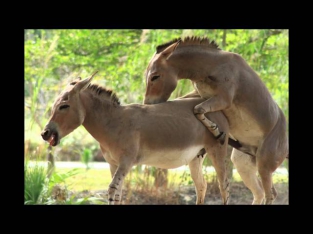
[99,90]
[160,48]
[193,40]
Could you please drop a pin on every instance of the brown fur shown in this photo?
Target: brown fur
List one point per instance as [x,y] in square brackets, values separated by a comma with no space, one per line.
[230,85]
[136,134]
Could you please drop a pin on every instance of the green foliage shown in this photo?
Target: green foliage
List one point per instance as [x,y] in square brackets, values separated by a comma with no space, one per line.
[40,189]
[61,177]
[55,57]
[86,157]
[185,178]
[34,182]
[61,196]
[266,51]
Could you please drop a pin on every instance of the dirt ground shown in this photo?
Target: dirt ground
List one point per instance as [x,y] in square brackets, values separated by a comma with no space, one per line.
[239,195]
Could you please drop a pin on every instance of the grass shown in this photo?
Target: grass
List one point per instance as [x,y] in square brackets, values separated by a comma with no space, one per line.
[81,185]
[34,183]
[92,179]
[99,179]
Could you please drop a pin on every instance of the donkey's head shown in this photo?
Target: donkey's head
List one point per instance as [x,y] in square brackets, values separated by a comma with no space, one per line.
[161,77]
[67,113]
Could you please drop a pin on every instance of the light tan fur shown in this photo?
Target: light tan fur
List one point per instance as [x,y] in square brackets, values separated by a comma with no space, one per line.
[228,84]
[166,135]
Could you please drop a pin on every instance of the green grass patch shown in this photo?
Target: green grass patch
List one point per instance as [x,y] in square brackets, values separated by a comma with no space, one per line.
[92,179]
[34,183]
[99,179]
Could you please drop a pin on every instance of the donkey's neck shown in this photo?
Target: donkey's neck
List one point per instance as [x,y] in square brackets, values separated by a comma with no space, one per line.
[100,115]
[194,63]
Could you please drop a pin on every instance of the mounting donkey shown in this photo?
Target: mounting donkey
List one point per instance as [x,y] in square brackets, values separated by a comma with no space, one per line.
[228,84]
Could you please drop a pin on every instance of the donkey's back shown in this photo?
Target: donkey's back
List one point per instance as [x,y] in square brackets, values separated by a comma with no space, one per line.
[170,135]
[166,135]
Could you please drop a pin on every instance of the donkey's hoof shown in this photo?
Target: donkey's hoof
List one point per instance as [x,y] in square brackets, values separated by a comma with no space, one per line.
[221,138]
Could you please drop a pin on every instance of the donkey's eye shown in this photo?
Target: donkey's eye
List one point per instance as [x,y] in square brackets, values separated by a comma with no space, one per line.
[64,107]
[213,78]
[154,78]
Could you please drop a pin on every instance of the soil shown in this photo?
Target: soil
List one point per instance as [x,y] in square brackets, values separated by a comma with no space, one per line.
[239,195]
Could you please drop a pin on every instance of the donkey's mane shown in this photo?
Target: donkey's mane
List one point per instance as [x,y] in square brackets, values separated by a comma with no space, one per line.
[105,93]
[193,40]
[160,48]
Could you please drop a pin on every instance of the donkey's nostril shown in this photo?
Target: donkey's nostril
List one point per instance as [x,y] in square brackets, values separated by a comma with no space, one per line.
[45,133]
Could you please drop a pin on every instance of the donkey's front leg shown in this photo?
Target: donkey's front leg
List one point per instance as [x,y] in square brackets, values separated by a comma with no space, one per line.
[113,169]
[220,136]
[210,105]
[115,187]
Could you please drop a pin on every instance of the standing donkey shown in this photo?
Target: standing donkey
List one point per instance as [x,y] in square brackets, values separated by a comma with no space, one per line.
[228,84]
[166,135]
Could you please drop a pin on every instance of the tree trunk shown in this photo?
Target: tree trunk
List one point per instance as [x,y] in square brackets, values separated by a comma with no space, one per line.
[224,39]
[50,159]
[161,180]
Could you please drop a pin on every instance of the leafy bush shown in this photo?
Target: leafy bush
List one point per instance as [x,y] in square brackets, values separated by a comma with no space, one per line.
[35,179]
[39,189]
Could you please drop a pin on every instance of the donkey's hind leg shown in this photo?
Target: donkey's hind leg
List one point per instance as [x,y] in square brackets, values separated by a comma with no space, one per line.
[270,156]
[196,173]
[246,167]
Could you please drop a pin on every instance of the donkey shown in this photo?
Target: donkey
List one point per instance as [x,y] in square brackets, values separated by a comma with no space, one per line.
[228,84]
[166,135]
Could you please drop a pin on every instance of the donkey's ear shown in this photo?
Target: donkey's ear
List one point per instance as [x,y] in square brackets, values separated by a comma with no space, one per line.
[169,50]
[81,85]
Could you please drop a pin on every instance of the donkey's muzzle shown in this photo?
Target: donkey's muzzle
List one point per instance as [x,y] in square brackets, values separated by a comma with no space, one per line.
[52,137]
[45,134]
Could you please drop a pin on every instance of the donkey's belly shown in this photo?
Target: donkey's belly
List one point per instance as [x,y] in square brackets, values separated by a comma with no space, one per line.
[169,158]
[244,127]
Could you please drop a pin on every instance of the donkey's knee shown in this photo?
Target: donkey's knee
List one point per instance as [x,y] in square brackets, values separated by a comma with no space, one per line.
[198,109]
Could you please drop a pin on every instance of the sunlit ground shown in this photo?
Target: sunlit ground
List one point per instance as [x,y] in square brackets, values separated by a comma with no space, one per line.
[98,177]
